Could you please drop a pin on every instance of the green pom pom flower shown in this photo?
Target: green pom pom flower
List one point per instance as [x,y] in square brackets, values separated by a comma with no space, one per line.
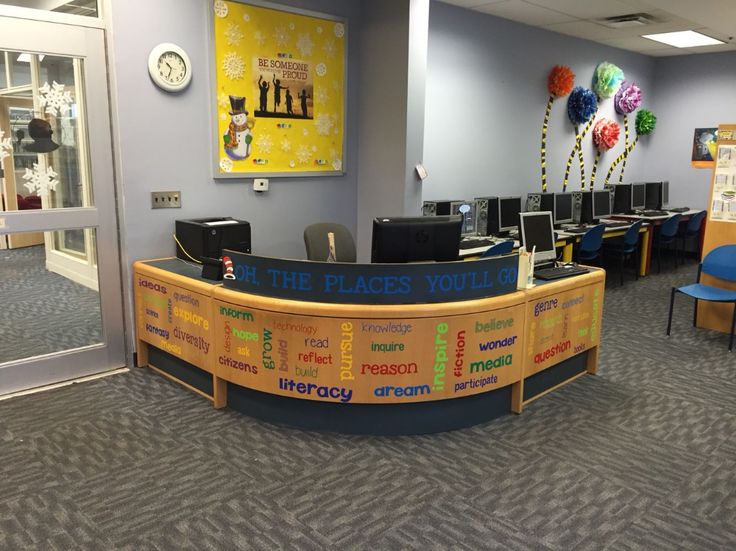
[607,79]
[645,122]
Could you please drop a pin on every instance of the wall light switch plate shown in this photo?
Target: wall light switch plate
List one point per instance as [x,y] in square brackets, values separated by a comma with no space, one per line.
[166,199]
[260,184]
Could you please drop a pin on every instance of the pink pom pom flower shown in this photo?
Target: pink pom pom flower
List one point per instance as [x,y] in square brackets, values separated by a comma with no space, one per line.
[627,99]
[605,134]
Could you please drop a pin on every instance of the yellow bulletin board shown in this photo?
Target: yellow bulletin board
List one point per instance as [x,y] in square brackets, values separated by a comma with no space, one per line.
[280,88]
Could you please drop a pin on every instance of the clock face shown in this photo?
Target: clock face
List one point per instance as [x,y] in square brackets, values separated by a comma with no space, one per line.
[172,68]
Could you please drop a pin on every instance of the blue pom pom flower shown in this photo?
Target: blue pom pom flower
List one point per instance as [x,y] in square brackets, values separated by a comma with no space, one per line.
[582,105]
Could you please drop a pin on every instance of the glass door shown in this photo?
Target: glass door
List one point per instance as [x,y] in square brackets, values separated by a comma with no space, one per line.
[60,290]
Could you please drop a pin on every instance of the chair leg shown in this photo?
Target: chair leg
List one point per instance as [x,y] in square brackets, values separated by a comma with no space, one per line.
[636,264]
[695,314]
[672,304]
[733,327]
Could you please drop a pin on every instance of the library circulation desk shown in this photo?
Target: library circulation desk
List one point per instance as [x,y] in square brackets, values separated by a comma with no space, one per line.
[367,348]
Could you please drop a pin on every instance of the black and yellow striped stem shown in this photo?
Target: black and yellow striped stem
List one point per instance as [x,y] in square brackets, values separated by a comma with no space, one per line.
[595,169]
[545,126]
[620,158]
[626,157]
[578,140]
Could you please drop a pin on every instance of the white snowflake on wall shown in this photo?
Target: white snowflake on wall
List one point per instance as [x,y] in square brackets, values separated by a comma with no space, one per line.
[339,30]
[6,146]
[319,30]
[264,143]
[233,35]
[323,123]
[337,164]
[336,85]
[304,44]
[292,26]
[259,37]
[321,69]
[281,36]
[226,165]
[305,132]
[223,116]
[329,48]
[303,154]
[221,9]
[321,96]
[233,66]
[246,17]
[40,181]
[292,163]
[285,145]
[55,99]
[223,101]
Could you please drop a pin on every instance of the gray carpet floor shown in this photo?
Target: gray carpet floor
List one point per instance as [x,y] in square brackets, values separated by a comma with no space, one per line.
[641,456]
[42,312]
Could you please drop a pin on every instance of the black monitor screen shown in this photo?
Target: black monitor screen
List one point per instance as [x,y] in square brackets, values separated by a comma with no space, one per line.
[621,198]
[654,195]
[601,204]
[563,207]
[509,207]
[537,232]
[638,196]
[409,239]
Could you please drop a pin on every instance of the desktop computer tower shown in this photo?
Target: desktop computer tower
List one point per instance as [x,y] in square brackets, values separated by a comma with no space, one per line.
[577,204]
[440,207]
[205,238]
[486,215]
[547,202]
[533,201]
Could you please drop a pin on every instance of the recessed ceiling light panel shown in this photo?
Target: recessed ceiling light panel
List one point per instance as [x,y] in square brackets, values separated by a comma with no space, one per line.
[683,39]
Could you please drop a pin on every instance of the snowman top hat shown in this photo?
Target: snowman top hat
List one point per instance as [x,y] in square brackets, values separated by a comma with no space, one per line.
[40,131]
[237,105]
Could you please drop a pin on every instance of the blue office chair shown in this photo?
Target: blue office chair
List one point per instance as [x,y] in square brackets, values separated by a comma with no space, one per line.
[667,234]
[504,247]
[691,229]
[591,244]
[627,247]
[719,263]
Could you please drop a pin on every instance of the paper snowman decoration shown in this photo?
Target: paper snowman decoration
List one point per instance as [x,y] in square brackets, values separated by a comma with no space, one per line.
[239,137]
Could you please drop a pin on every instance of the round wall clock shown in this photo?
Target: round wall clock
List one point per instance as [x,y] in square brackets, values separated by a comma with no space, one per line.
[169,67]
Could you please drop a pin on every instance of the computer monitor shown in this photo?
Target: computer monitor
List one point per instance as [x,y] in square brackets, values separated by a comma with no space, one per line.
[508,213]
[621,198]
[665,193]
[654,195]
[601,204]
[638,196]
[537,231]
[416,239]
[466,209]
[563,208]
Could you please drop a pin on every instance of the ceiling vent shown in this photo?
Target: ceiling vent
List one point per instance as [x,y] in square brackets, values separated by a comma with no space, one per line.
[629,20]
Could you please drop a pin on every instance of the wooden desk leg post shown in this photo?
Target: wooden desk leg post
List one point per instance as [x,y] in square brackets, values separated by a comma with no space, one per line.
[219,392]
[646,255]
[141,353]
[592,362]
[567,252]
[517,397]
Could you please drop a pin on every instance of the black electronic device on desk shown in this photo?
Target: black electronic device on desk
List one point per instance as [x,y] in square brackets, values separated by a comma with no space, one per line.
[537,232]
[475,242]
[203,240]
[416,239]
[678,209]
[594,206]
[560,205]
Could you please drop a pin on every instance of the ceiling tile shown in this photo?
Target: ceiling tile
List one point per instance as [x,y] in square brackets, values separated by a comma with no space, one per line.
[591,9]
[529,14]
[633,43]
[471,3]
[585,29]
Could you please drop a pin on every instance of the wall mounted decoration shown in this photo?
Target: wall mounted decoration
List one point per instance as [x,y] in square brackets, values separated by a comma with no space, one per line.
[704,147]
[645,124]
[280,89]
[626,101]
[605,136]
[582,106]
[559,83]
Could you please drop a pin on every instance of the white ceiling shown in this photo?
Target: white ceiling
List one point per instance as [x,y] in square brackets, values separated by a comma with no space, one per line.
[716,18]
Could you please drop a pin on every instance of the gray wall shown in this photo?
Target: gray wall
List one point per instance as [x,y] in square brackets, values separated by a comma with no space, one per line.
[694,91]
[486,95]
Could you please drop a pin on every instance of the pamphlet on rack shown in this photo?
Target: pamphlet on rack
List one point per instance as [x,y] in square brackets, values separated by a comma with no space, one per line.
[526,268]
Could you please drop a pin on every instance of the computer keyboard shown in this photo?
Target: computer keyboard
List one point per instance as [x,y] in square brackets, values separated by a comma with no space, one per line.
[653,213]
[576,229]
[475,242]
[558,272]
[616,223]
[678,209]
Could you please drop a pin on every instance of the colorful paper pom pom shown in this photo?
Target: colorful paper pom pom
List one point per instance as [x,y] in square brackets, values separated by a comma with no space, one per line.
[560,81]
[607,79]
[628,99]
[645,122]
[581,105]
[605,134]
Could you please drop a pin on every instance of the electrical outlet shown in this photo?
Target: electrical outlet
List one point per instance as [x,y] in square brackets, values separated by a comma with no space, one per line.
[166,199]
[260,184]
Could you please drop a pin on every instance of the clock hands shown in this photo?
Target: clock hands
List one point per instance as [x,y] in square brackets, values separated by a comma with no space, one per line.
[170,69]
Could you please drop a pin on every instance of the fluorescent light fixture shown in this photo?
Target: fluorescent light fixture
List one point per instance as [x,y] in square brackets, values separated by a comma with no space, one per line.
[683,39]
[26,58]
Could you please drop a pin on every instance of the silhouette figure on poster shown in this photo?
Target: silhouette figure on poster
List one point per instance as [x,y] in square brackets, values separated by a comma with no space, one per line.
[289,100]
[264,87]
[303,96]
[277,92]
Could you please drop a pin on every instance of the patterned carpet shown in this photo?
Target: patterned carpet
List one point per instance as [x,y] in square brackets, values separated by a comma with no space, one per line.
[43,312]
[642,456]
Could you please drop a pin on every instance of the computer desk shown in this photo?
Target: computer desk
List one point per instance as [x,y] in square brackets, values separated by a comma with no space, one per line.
[611,233]
[565,243]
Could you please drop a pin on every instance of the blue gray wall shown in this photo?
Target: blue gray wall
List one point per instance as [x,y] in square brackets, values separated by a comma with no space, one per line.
[486,96]
[693,91]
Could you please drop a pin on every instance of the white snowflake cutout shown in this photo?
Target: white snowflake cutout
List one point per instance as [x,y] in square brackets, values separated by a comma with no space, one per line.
[304,44]
[233,36]
[314,149]
[303,154]
[264,143]
[281,36]
[335,85]
[221,9]
[323,123]
[292,163]
[337,164]
[40,181]
[305,132]
[246,17]
[292,26]
[319,30]
[6,145]
[285,145]
[223,101]
[329,48]
[339,30]
[226,165]
[233,66]
[321,69]
[321,96]
[223,116]
[260,38]
[54,99]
